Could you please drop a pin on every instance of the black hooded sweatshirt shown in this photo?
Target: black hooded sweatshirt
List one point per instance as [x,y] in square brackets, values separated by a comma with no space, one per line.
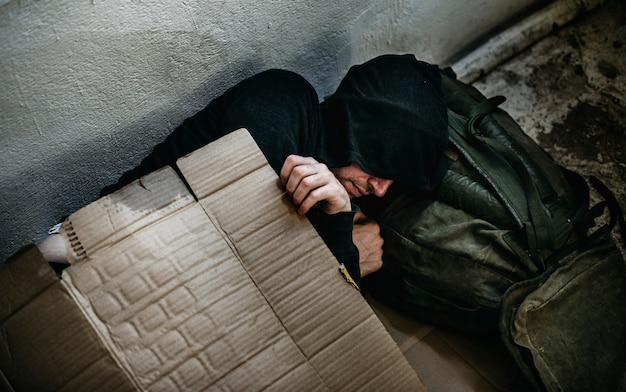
[387,115]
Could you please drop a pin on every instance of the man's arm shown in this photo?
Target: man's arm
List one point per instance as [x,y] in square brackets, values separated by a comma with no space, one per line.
[354,240]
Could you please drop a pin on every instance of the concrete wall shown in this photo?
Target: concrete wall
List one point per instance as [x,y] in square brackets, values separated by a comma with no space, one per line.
[88,86]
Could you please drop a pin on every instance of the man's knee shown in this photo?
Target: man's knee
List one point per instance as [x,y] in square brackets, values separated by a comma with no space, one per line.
[289,83]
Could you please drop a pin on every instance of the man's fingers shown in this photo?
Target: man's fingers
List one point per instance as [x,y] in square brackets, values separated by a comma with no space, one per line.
[326,194]
[307,176]
[321,188]
[310,182]
[359,216]
[366,237]
[370,266]
[291,162]
[304,180]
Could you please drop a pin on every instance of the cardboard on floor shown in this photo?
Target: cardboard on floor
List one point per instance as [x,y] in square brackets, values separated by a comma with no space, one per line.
[225,288]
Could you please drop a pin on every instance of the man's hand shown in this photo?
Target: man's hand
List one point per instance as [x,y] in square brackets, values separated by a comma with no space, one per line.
[53,249]
[311,183]
[367,239]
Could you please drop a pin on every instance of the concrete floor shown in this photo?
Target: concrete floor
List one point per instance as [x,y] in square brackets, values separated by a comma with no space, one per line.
[568,92]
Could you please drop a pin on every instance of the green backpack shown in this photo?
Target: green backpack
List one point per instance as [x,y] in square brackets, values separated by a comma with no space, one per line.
[509,244]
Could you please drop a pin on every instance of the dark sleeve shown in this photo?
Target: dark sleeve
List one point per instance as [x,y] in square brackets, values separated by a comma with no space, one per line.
[336,231]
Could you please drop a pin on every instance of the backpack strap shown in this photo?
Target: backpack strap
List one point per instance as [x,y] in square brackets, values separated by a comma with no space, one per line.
[540,228]
[510,179]
[495,175]
[616,215]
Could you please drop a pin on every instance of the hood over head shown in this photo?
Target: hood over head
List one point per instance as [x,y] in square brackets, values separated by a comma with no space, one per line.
[389,116]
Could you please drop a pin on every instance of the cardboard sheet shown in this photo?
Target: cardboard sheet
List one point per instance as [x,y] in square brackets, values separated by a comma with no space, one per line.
[223,287]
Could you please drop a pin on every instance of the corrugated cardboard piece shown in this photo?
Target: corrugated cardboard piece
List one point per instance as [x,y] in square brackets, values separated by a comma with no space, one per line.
[223,289]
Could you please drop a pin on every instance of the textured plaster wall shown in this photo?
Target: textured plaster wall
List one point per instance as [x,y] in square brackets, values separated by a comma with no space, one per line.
[88,86]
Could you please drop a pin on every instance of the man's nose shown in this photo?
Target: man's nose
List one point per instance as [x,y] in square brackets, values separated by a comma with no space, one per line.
[380,186]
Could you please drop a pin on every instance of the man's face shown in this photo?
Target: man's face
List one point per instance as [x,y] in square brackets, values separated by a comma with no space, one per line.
[358,183]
